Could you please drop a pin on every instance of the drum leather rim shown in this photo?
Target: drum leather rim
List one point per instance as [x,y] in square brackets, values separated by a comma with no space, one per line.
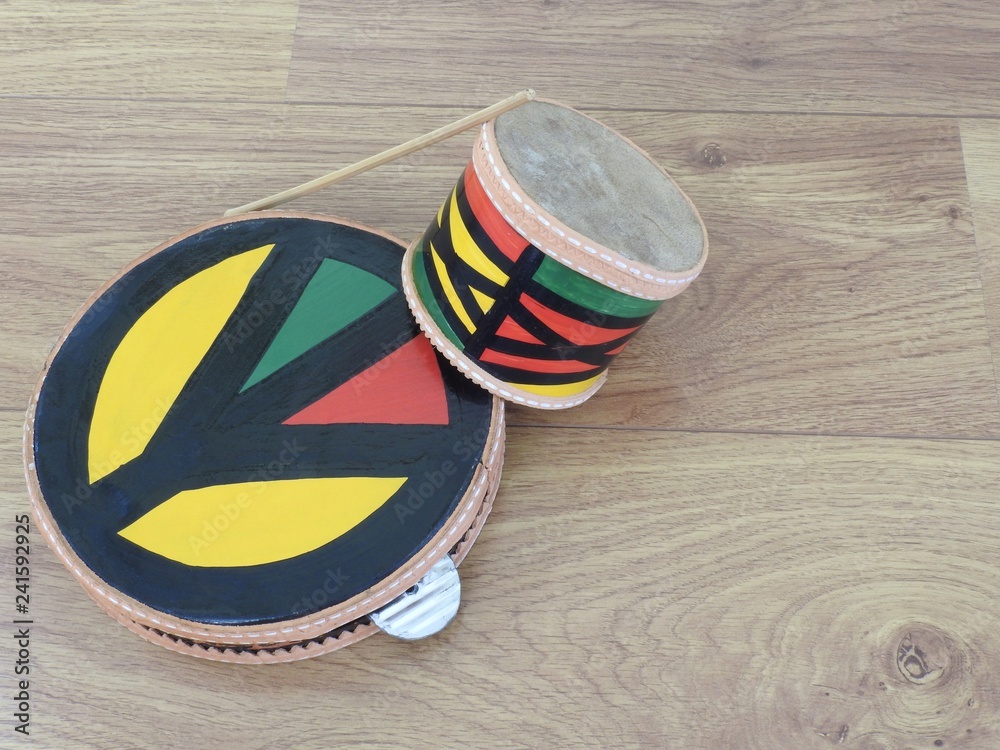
[342,636]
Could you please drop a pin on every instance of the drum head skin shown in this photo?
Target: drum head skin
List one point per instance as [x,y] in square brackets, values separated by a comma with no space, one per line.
[601,185]
[245,439]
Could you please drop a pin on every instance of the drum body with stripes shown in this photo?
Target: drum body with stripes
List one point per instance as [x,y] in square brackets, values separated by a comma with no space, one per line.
[557,244]
[242,446]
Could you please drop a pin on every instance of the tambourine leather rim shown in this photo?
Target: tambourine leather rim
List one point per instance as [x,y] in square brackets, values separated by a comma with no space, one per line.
[342,636]
[468,366]
[567,245]
[290,631]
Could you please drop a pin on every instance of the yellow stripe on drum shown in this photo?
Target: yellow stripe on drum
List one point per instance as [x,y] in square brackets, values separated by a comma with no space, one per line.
[440,215]
[467,249]
[157,356]
[566,389]
[484,302]
[449,290]
[254,523]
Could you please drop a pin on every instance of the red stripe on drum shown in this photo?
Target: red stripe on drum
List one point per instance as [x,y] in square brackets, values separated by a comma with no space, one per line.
[530,364]
[507,240]
[511,329]
[576,331]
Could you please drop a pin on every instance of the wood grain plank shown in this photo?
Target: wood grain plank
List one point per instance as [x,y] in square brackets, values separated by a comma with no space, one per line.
[981,146]
[221,49]
[632,589]
[842,292]
[88,187]
[674,587]
[904,56]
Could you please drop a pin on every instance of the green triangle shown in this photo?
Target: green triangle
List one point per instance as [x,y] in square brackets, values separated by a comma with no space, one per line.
[336,295]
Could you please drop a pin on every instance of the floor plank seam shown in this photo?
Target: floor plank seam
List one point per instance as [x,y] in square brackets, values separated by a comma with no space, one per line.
[979,270]
[7,410]
[291,52]
[761,433]
[459,106]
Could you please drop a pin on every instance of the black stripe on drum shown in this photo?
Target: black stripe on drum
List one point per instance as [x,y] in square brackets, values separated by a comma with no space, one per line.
[479,235]
[460,270]
[465,296]
[592,355]
[439,296]
[530,377]
[459,274]
[527,320]
[524,269]
[572,310]
[537,328]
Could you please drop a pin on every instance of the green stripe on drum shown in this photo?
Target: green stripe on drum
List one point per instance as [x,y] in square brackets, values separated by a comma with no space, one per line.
[588,293]
[426,295]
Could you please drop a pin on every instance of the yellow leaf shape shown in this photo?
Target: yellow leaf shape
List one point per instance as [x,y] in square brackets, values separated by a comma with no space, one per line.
[157,356]
[253,523]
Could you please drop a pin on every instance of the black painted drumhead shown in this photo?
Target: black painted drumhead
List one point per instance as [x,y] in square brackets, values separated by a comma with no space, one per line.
[248,427]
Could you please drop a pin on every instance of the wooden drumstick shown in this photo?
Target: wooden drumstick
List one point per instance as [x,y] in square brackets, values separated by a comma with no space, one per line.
[428,139]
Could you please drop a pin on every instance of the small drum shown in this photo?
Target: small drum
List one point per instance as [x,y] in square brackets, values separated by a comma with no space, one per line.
[558,243]
[244,449]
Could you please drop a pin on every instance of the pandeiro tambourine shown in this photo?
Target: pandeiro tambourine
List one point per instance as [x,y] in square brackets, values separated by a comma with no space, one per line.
[244,449]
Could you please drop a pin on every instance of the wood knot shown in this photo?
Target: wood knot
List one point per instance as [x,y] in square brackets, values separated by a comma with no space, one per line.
[713,155]
[923,656]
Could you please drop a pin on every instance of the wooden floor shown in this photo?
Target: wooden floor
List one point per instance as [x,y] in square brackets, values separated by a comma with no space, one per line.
[775,527]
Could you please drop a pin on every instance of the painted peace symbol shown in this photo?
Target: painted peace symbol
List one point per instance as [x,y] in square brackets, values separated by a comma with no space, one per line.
[249,414]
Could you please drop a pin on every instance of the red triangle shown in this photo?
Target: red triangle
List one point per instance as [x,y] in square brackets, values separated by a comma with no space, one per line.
[510,329]
[403,388]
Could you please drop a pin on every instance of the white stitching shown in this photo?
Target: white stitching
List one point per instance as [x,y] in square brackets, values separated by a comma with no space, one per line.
[138,614]
[486,145]
[547,250]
